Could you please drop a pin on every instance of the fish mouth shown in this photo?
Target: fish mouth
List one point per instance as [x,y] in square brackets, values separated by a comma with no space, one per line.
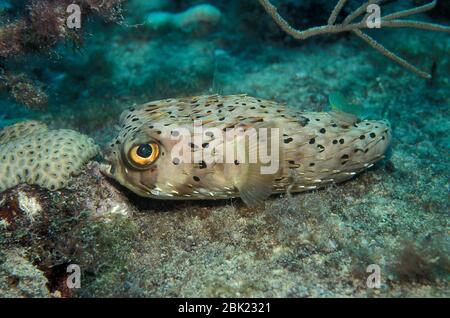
[106,166]
[106,169]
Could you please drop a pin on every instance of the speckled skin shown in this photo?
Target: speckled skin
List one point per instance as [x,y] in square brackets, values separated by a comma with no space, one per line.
[316,148]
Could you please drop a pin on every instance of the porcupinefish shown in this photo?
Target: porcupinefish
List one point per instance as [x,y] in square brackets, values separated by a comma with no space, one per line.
[217,147]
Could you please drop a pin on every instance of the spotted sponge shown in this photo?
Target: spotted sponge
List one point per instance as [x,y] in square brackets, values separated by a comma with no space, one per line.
[31,153]
[21,130]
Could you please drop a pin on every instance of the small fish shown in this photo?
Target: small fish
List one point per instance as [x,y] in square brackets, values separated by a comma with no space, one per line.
[217,147]
[339,104]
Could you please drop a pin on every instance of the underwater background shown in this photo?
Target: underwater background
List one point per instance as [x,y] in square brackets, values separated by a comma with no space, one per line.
[313,244]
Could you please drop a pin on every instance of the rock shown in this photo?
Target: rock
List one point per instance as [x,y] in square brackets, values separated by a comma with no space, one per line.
[198,19]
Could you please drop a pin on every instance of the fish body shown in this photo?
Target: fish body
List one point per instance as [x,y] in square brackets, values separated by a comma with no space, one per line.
[216,147]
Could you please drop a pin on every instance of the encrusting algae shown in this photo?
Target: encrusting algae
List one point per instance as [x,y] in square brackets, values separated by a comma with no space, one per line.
[216,147]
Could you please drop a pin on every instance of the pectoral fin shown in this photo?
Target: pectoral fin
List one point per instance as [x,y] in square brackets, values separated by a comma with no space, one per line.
[254,181]
[255,187]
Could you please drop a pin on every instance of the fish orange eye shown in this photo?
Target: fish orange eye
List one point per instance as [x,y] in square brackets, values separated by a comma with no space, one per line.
[145,154]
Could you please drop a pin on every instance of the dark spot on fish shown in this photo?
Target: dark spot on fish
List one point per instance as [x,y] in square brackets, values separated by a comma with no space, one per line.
[362,137]
[303,121]
[335,142]
[322,148]
[372,135]
[312,164]
[312,141]
[205,145]
[196,178]
[288,140]
[322,131]
[236,162]
[344,156]
[203,165]
[341,141]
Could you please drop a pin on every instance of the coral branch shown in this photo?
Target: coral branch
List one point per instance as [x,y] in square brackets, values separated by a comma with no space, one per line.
[389,21]
[337,9]
[380,48]
[407,13]
[358,12]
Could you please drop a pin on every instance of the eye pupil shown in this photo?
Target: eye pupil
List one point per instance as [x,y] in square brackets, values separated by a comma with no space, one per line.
[144,151]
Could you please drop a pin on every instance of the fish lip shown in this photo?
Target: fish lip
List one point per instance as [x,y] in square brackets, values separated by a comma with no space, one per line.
[142,188]
[106,168]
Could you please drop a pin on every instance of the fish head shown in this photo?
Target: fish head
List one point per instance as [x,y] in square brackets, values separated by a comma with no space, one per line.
[141,162]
